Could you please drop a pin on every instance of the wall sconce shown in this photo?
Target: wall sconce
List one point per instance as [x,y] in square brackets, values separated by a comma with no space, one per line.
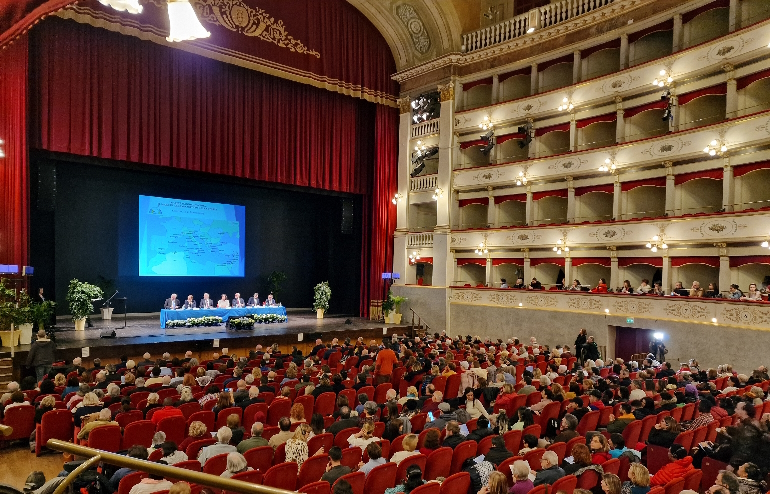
[716,147]
[397,198]
[665,79]
[437,194]
[486,124]
[414,257]
[521,179]
[482,249]
[566,104]
[656,242]
[558,248]
[608,166]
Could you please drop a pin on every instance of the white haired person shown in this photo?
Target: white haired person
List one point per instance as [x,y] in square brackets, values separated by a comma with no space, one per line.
[236,463]
[222,446]
[103,419]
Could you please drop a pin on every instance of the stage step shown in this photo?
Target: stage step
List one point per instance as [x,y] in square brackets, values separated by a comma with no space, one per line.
[6,372]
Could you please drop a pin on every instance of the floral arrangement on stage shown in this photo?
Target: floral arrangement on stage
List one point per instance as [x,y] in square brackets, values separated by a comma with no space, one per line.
[240,323]
[268,318]
[195,322]
[321,296]
[247,322]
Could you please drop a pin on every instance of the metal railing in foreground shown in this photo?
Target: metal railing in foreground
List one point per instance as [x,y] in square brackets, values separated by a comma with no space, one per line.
[95,456]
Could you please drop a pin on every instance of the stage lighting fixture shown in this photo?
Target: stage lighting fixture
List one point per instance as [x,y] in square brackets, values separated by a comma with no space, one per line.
[426,107]
[183,23]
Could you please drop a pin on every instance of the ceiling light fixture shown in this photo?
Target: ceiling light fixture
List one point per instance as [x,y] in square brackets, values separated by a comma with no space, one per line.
[657,242]
[184,24]
[566,104]
[665,79]
[717,147]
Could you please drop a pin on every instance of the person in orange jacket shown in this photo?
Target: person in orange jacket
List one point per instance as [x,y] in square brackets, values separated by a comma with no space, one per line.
[680,465]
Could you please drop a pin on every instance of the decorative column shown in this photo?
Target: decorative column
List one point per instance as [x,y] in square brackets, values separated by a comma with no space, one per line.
[534,78]
[732,21]
[725,277]
[670,189]
[673,123]
[678,31]
[534,143]
[728,186]
[617,194]
[491,208]
[454,210]
[459,95]
[623,51]
[488,272]
[576,66]
[573,134]
[570,200]
[620,123]
[614,270]
[528,210]
[731,108]
[666,283]
[527,268]
[443,267]
[400,237]
[568,268]
[495,89]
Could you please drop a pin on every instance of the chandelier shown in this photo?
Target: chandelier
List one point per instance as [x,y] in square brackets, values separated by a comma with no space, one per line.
[437,194]
[558,247]
[521,179]
[608,166]
[414,257]
[482,249]
[486,124]
[665,79]
[566,104]
[397,198]
[765,244]
[657,242]
[715,147]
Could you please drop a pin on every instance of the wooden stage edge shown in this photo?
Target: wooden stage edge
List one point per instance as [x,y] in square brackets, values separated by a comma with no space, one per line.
[143,334]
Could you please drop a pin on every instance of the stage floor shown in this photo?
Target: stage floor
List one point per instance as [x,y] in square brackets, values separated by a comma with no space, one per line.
[146,330]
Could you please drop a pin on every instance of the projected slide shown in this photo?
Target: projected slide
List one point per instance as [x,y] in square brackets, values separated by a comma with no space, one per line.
[190,238]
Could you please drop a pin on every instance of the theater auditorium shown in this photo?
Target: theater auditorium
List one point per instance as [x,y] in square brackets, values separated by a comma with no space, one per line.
[384,246]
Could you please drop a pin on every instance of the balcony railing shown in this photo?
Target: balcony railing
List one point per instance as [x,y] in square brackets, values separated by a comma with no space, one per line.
[420,240]
[423,182]
[545,16]
[426,128]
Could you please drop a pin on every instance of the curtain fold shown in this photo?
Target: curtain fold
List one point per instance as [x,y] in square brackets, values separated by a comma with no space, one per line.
[14,168]
[474,200]
[513,197]
[607,189]
[649,182]
[601,261]
[624,262]
[717,90]
[609,117]
[716,174]
[481,82]
[741,170]
[508,260]
[536,196]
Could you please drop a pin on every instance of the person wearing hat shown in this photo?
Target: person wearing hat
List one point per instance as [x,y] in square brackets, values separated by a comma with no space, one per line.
[41,355]
[681,465]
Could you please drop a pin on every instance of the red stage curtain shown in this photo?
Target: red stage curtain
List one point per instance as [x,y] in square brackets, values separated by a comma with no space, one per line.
[650,182]
[14,213]
[377,243]
[624,262]
[507,260]
[602,261]
[607,189]
[716,174]
[741,170]
[475,200]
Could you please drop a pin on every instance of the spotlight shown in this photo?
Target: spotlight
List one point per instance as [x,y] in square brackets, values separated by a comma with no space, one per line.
[658,335]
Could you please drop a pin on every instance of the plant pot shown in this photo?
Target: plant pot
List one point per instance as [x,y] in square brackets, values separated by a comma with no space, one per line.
[319,313]
[107,313]
[396,318]
[388,318]
[25,333]
[80,324]
[5,337]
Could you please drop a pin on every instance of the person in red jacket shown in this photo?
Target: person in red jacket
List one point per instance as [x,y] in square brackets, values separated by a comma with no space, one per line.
[168,410]
[601,287]
[600,449]
[680,465]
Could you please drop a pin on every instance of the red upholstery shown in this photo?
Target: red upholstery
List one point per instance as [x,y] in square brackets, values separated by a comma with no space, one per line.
[260,458]
[125,418]
[130,480]
[22,419]
[565,484]
[438,464]
[647,424]
[205,416]
[250,412]
[452,389]
[484,445]
[226,412]
[505,468]
[189,408]
[356,481]
[282,476]
[277,409]
[560,449]
[589,422]
[381,391]
[380,478]
[192,465]
[325,441]
[280,454]
[174,427]
[320,487]
[251,476]
[351,457]
[462,452]
[312,469]
[418,460]
[56,424]
[533,458]
[512,441]
[692,480]
[611,466]
[418,422]
[195,447]
[674,486]
[368,391]
[341,439]
[325,403]
[139,432]
[588,480]
[429,488]
[459,482]
[307,402]
[532,429]
[106,438]
[216,464]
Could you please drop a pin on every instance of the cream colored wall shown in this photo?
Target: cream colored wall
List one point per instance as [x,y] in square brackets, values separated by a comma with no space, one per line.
[636,272]
[553,143]
[474,216]
[751,190]
[754,98]
[473,156]
[511,213]
[702,111]
[589,274]
[708,25]
[422,215]
[701,195]
[644,201]
[508,271]
[597,135]
[646,124]
[430,303]
[547,274]
[750,273]
[471,273]
[600,63]
[695,272]
[555,76]
[594,206]
[478,96]
[515,87]
[550,210]
[652,46]
[510,151]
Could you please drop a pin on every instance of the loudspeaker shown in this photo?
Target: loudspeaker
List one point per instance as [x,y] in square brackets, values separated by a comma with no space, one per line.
[346,222]
[107,334]
[46,187]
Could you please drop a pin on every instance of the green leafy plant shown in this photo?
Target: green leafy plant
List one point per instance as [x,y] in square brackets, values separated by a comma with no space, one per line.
[275,281]
[389,304]
[79,297]
[7,305]
[322,295]
[241,323]
[23,312]
[397,301]
[42,312]
[268,318]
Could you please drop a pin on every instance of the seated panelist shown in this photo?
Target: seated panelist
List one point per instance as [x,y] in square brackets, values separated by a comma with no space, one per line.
[254,300]
[189,303]
[237,301]
[223,302]
[206,302]
[270,302]
[172,303]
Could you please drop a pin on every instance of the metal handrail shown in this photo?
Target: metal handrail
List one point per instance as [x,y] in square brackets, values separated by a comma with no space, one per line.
[96,455]
[419,320]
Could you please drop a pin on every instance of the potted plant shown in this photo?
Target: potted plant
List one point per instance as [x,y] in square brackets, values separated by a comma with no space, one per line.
[397,301]
[321,298]
[23,317]
[388,306]
[42,313]
[79,297]
[8,313]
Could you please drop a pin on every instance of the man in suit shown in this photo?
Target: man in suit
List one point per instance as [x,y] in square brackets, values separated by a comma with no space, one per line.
[254,300]
[270,302]
[237,301]
[40,296]
[189,303]
[172,303]
[206,302]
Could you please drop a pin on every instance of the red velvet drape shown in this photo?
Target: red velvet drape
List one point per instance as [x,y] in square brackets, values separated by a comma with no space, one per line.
[14,213]
[377,245]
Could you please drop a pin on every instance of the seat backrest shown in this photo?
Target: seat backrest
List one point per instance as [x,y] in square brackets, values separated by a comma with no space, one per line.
[320,487]
[205,416]
[260,458]
[194,447]
[418,422]
[560,449]
[312,469]
[533,458]
[459,482]
[341,438]
[130,480]
[438,464]
[105,438]
[380,478]
[588,480]
[190,408]
[325,441]
[532,429]
[282,476]
[462,452]
[674,486]
[692,480]
[657,456]
[356,481]
[139,432]
[250,476]
[277,409]
[565,484]
[512,441]
[381,391]
[125,418]
[216,464]
[418,460]
[648,423]
[452,389]
[428,488]
[588,423]
[174,427]
[611,466]
[685,439]
[484,445]
[280,454]
[226,412]
[307,402]
[22,419]
[631,433]
[325,403]
[604,416]
[249,413]
[351,457]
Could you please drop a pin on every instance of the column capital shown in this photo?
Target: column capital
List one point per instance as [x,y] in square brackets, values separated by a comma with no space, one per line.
[570,182]
[490,189]
[447,91]
[529,189]
[404,105]
[619,103]
[726,163]
[525,250]
[722,249]
[729,69]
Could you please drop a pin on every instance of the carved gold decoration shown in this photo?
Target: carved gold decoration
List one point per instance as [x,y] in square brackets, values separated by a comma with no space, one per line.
[415,26]
[540,301]
[404,105]
[632,306]
[236,16]
[686,311]
[746,315]
[447,92]
[465,296]
[584,303]
[503,298]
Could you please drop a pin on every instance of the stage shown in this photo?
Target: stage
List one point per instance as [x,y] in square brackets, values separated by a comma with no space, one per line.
[144,334]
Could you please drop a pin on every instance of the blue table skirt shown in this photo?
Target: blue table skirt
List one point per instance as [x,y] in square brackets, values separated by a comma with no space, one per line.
[225,314]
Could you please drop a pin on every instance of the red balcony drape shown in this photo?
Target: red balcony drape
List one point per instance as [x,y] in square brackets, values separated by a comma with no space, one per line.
[612,44]
[683,261]
[474,200]
[513,197]
[717,90]
[657,105]
[650,182]
[467,86]
[480,261]
[610,117]
[738,261]
[607,189]
[750,79]
[559,261]
[470,144]
[663,26]
[716,174]
[602,261]
[507,137]
[507,260]
[536,196]
[14,186]
[424,260]
[717,4]
[741,170]
[624,262]
[513,73]
[553,128]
